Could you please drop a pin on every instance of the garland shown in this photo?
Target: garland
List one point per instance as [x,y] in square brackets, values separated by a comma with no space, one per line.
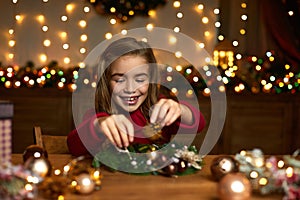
[182,160]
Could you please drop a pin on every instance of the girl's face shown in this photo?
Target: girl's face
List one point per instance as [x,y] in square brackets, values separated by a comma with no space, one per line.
[129,82]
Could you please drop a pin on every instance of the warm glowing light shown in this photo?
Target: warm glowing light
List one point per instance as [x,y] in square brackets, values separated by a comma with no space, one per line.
[82,50]
[291,13]
[280,164]
[216,11]
[113,21]
[14,1]
[217,24]
[178,68]
[47,43]
[63,35]
[206,33]
[45,28]
[11,31]
[235,43]
[242,31]
[83,37]
[179,15]
[176,4]
[82,23]
[11,43]
[41,18]
[70,7]
[243,5]
[11,55]
[152,13]
[64,18]
[201,45]
[43,57]
[178,54]
[263,181]
[149,27]
[289,172]
[66,46]
[244,17]
[237,186]
[200,6]
[131,12]
[205,20]
[67,60]
[287,66]
[221,37]
[112,9]
[172,40]
[124,32]
[108,36]
[86,9]
[176,29]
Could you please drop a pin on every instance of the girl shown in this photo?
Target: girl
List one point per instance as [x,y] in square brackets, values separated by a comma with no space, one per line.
[127,99]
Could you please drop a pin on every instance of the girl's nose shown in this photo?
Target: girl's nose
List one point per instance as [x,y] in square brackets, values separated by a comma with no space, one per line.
[130,88]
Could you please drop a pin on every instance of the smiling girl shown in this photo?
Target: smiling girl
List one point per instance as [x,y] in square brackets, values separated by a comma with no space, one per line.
[128,98]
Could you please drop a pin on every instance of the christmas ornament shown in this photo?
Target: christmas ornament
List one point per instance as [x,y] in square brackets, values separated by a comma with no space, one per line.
[83,183]
[34,151]
[223,165]
[234,186]
[38,166]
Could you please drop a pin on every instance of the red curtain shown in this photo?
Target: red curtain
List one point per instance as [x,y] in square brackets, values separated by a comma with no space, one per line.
[284,29]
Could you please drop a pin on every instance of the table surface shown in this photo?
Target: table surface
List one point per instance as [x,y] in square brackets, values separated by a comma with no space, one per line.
[117,185]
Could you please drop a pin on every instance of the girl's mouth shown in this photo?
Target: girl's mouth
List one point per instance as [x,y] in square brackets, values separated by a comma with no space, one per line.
[130,100]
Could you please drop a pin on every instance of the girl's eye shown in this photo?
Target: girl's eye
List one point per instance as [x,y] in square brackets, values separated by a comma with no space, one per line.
[140,80]
[119,80]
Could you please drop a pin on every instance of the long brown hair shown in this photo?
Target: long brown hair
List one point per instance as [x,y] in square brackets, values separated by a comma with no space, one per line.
[118,48]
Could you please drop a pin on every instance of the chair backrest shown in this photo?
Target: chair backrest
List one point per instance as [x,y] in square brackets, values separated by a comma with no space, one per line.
[53,144]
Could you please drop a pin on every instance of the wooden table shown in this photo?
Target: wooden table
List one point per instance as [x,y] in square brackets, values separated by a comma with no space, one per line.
[120,186]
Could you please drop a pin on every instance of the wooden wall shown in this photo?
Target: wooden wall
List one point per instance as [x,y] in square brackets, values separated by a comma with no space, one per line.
[266,121]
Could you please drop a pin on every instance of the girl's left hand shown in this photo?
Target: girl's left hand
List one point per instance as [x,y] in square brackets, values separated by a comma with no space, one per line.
[165,112]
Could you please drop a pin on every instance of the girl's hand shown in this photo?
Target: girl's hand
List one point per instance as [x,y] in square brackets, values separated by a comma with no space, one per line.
[117,128]
[167,111]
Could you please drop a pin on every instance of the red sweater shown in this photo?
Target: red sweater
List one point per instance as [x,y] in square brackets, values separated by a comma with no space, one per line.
[86,140]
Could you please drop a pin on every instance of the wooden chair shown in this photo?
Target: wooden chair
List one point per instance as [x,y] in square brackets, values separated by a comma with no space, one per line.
[53,144]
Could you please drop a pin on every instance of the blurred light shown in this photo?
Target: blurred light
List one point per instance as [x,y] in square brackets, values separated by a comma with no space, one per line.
[124,32]
[205,20]
[67,60]
[63,35]
[178,54]
[112,9]
[201,45]
[172,40]
[43,57]
[217,24]
[179,15]
[244,17]
[243,5]
[152,13]
[66,46]
[45,28]
[112,21]
[176,29]
[64,18]
[108,36]
[217,11]
[200,6]
[235,43]
[176,4]
[221,38]
[70,7]
[86,9]
[47,43]
[11,31]
[41,18]
[82,50]
[149,27]
[82,23]
[291,13]
[11,43]
[83,37]
[242,31]
[178,68]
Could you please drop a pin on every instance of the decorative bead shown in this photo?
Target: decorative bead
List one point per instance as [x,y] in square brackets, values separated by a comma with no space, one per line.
[234,186]
[223,165]
[35,151]
[39,166]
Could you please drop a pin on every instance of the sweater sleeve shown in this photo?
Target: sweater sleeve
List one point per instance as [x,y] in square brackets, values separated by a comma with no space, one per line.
[84,139]
[199,121]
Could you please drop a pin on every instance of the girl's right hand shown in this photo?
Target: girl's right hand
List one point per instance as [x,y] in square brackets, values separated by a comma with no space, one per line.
[118,129]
